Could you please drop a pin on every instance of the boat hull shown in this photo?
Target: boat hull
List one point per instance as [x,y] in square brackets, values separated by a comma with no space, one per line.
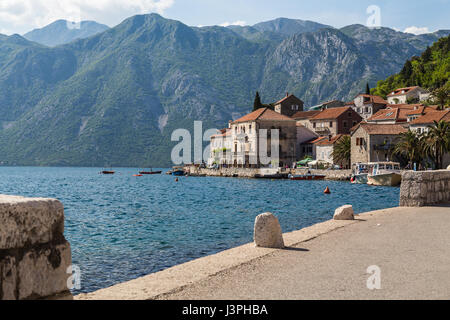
[360,179]
[178,173]
[152,172]
[387,180]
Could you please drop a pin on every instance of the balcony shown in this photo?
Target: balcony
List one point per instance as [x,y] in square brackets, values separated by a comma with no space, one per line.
[322,130]
[382,147]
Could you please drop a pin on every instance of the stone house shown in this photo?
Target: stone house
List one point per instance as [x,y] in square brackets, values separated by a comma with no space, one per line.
[367,105]
[289,105]
[325,148]
[392,114]
[245,137]
[372,142]
[334,121]
[425,120]
[402,95]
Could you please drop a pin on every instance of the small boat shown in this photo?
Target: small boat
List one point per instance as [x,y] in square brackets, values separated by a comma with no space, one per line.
[360,171]
[308,176]
[150,172]
[178,171]
[384,174]
[108,172]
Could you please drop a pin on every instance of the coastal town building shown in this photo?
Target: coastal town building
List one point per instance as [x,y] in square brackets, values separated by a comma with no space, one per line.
[405,95]
[334,121]
[424,122]
[393,114]
[289,105]
[367,105]
[371,142]
[243,140]
[324,148]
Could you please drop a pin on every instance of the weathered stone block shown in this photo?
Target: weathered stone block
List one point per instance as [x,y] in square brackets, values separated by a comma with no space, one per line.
[268,232]
[43,272]
[8,278]
[26,221]
[344,213]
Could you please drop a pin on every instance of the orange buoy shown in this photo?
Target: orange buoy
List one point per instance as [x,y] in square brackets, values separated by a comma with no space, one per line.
[327,191]
[137,175]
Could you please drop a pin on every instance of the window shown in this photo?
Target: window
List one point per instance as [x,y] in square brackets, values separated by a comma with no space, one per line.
[355,123]
[350,114]
[314,125]
[331,124]
[344,123]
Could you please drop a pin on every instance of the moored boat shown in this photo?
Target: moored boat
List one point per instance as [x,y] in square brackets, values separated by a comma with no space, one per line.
[150,172]
[178,171]
[384,174]
[360,172]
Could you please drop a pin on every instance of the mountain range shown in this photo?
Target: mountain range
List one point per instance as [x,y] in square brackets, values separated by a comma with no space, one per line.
[115,97]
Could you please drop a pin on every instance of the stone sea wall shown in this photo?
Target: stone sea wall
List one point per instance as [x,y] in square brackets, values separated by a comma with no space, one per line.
[340,175]
[425,188]
[34,255]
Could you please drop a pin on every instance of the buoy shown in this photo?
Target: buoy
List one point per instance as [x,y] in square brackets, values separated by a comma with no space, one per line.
[327,191]
[137,175]
[176,180]
[352,179]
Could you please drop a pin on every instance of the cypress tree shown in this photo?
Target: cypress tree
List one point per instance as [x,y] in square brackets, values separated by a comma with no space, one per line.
[257,104]
[367,88]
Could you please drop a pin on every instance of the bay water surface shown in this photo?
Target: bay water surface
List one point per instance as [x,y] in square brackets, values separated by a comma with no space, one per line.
[122,227]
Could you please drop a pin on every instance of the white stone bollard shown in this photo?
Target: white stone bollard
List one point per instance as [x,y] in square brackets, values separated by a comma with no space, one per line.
[268,232]
[344,213]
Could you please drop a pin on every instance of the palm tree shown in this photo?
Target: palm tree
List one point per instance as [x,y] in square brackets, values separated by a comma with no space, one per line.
[342,150]
[410,145]
[438,141]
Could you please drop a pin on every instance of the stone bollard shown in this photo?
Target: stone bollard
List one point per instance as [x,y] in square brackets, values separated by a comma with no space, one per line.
[34,255]
[268,232]
[344,213]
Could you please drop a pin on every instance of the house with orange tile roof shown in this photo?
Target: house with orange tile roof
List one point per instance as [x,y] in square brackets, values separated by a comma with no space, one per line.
[391,115]
[402,95]
[247,135]
[324,148]
[334,121]
[423,123]
[372,142]
[367,105]
[289,105]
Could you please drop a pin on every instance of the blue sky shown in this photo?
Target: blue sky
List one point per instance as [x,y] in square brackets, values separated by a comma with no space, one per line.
[19,16]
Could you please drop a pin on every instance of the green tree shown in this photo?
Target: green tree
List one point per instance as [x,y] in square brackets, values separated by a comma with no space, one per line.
[257,104]
[442,96]
[342,150]
[437,142]
[410,145]
[427,55]
[367,88]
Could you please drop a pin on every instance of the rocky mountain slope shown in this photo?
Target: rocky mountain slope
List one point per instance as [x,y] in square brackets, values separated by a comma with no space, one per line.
[62,32]
[116,97]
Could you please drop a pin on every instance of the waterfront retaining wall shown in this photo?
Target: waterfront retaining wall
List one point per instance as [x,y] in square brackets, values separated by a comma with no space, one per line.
[34,255]
[425,188]
[341,175]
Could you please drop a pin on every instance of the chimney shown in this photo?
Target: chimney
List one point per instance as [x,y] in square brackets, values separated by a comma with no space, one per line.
[287,94]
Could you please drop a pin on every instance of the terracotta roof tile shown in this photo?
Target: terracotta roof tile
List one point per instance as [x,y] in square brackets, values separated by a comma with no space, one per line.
[432,116]
[397,114]
[329,142]
[332,113]
[305,114]
[380,129]
[398,92]
[263,114]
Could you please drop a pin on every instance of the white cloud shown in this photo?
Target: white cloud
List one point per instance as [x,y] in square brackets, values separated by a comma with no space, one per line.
[417,30]
[236,23]
[25,15]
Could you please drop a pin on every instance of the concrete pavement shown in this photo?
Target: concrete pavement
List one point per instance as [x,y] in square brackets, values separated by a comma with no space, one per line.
[411,247]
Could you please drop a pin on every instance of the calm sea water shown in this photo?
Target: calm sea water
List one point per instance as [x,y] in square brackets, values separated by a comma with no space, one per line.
[122,227]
